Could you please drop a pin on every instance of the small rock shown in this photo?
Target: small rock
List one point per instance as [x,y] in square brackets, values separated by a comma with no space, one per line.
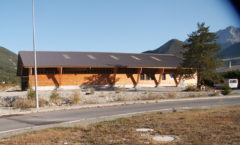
[163,138]
[144,129]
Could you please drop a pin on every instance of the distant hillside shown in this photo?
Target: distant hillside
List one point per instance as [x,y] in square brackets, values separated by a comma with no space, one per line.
[8,66]
[173,46]
[228,37]
[231,51]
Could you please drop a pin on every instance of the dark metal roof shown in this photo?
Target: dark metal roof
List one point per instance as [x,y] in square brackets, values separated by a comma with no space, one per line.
[97,59]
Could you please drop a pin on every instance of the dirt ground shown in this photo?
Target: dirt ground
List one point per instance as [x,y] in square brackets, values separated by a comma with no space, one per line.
[213,126]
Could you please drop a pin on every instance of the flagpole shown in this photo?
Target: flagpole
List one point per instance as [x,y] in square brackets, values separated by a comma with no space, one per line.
[35,56]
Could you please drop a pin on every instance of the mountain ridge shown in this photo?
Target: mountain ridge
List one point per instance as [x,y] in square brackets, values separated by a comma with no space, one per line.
[8,66]
[227,38]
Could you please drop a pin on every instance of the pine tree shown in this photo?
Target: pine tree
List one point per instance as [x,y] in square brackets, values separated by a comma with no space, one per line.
[201,54]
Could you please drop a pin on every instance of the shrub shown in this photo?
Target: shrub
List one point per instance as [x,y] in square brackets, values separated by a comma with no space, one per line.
[54,96]
[23,103]
[191,88]
[31,94]
[75,98]
[226,90]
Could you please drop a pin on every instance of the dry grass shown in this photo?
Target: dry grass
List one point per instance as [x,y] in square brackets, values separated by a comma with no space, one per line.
[207,127]
[7,87]
[23,103]
[76,98]
[152,96]
[191,89]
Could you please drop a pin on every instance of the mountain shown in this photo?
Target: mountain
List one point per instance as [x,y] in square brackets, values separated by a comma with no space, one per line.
[173,46]
[8,66]
[231,51]
[228,37]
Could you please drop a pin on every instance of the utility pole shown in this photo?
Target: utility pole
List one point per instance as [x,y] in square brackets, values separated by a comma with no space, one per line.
[35,56]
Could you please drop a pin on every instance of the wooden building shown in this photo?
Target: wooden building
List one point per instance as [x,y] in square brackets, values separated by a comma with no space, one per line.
[71,70]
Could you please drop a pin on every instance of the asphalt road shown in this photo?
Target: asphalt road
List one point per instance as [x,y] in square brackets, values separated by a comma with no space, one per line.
[10,125]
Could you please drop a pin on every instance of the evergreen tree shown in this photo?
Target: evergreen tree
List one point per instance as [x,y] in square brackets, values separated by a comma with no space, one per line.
[201,54]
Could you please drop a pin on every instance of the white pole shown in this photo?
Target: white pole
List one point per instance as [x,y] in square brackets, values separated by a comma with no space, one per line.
[35,56]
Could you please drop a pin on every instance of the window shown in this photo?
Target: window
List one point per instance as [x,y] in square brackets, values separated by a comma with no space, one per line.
[172,76]
[164,76]
[142,77]
[147,77]
[233,81]
[153,77]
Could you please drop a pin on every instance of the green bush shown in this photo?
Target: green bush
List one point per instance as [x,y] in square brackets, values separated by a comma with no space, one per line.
[31,94]
[226,90]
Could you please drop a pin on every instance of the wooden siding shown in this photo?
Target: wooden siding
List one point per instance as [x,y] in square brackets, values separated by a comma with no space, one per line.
[100,79]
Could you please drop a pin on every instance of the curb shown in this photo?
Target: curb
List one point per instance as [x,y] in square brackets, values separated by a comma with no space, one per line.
[41,110]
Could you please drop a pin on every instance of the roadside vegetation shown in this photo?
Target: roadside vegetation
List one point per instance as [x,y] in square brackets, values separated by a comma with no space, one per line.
[209,126]
[74,97]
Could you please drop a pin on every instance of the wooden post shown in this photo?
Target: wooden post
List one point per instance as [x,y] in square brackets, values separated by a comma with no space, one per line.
[160,77]
[60,76]
[114,75]
[138,77]
[132,79]
[30,81]
[30,71]
[177,81]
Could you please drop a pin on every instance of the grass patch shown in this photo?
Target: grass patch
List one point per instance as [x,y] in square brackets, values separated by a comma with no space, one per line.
[209,126]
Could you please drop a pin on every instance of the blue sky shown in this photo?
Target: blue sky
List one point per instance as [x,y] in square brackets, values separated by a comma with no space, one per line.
[107,25]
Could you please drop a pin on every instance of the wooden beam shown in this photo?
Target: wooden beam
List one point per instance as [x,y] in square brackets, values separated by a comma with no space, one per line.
[60,75]
[155,81]
[30,71]
[160,76]
[132,79]
[114,75]
[138,77]
[177,80]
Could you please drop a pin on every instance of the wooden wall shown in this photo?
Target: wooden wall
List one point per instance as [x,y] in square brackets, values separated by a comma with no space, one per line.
[95,79]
